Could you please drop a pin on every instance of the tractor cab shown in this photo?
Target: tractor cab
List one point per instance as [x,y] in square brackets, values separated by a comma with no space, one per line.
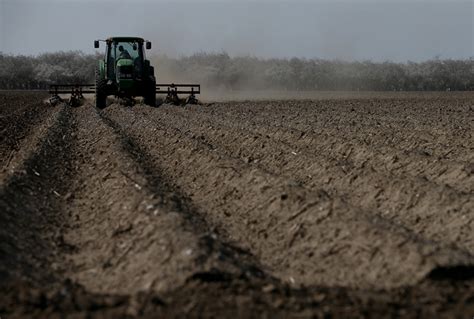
[125,58]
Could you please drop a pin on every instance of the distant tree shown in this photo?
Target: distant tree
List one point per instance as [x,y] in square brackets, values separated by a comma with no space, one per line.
[219,70]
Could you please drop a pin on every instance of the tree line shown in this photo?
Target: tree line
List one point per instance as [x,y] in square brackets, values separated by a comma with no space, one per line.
[219,70]
[38,72]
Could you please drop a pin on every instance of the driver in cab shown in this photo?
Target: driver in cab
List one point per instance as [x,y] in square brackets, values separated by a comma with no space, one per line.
[123,53]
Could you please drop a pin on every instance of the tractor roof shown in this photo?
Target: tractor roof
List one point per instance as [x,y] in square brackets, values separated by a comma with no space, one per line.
[125,39]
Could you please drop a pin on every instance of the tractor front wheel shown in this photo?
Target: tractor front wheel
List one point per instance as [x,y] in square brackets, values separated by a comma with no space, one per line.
[100,92]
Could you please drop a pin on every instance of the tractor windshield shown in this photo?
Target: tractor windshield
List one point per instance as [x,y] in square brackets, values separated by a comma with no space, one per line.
[127,50]
[123,50]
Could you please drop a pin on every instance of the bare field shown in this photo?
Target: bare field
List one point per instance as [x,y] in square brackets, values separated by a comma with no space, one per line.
[353,205]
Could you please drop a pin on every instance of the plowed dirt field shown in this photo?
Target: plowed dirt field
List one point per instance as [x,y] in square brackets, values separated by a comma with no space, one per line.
[353,206]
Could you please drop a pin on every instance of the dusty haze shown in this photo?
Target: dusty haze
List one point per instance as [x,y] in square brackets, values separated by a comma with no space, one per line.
[350,30]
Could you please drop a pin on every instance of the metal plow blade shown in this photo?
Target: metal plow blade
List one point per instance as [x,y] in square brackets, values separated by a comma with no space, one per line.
[76,91]
[172,90]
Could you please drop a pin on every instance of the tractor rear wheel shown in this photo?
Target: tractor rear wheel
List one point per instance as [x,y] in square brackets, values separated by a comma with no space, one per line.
[150,95]
[100,91]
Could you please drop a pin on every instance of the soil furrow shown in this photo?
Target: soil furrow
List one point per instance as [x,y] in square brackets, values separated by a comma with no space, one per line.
[362,122]
[434,121]
[427,209]
[19,120]
[348,207]
[129,229]
[377,147]
[445,173]
[301,235]
[32,201]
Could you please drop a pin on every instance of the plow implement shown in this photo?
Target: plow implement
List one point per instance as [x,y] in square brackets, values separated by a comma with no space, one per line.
[77,92]
[171,92]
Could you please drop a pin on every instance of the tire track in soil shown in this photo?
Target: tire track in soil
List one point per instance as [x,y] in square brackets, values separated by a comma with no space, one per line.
[434,211]
[302,236]
[31,201]
[131,232]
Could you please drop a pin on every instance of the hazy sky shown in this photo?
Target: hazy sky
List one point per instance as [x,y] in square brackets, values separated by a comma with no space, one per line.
[354,30]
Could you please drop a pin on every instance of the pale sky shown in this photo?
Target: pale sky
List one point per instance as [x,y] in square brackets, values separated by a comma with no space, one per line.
[352,30]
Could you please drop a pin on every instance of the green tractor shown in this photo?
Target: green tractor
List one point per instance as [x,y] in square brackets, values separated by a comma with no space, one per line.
[126,73]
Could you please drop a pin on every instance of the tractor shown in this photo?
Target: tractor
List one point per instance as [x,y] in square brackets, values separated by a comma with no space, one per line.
[126,73]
